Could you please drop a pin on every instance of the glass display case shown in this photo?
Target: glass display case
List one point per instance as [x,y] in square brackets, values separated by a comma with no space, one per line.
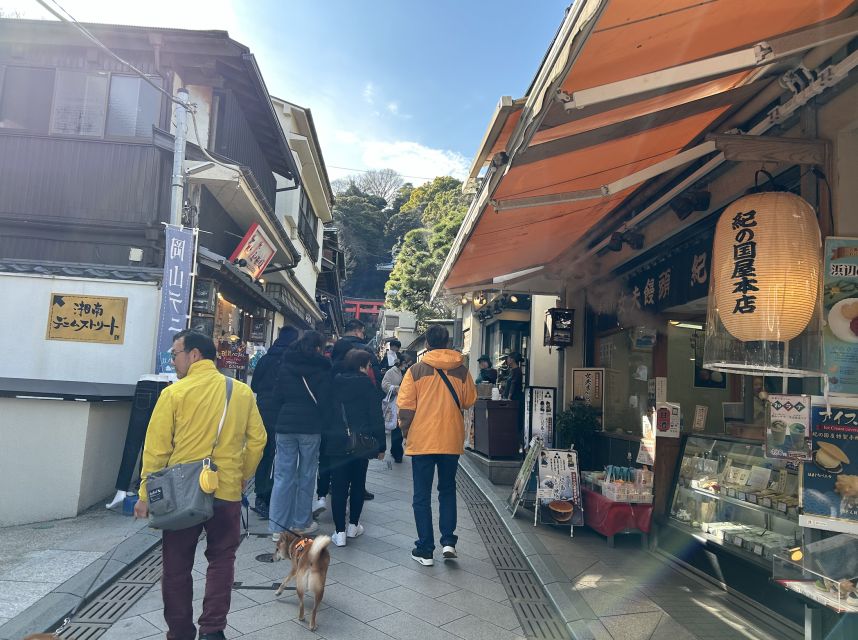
[728,494]
[824,572]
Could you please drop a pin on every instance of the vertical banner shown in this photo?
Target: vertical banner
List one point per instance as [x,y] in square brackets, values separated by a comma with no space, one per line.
[589,385]
[175,293]
[840,315]
[788,434]
[829,488]
[539,414]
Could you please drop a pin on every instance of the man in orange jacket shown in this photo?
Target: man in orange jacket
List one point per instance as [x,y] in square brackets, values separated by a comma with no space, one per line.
[432,396]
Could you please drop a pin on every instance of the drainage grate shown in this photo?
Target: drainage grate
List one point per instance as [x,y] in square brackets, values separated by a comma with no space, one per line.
[537,615]
[112,602]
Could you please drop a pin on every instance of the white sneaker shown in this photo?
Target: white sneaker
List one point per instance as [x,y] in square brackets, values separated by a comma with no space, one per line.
[275,537]
[319,505]
[354,530]
[339,538]
[449,552]
[117,501]
[313,528]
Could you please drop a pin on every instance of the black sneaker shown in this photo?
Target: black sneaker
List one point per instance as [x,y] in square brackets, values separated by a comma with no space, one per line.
[261,510]
[398,460]
[423,557]
[214,635]
[368,496]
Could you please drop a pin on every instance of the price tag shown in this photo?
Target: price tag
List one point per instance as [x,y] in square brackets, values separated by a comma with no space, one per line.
[752,498]
[737,541]
[758,549]
[731,492]
[766,502]
[742,496]
[782,507]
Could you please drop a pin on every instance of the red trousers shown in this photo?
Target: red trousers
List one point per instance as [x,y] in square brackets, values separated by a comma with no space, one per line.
[223,535]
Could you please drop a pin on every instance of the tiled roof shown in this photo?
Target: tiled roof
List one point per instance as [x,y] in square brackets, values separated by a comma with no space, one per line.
[79,270]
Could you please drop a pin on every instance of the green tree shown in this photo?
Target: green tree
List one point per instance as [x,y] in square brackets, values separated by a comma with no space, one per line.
[422,252]
[361,220]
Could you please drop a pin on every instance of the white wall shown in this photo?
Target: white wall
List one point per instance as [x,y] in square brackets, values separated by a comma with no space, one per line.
[201,96]
[105,440]
[543,370]
[28,354]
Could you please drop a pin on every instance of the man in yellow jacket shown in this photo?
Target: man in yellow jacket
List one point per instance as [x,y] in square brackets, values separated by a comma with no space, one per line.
[432,396]
[183,428]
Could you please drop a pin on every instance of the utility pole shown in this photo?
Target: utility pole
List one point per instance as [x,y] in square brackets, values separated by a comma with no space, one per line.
[177,185]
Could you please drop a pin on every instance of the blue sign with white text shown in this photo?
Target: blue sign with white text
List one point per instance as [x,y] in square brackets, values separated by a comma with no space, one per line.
[175,293]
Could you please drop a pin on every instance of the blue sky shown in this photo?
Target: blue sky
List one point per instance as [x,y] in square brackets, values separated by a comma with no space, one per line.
[391,83]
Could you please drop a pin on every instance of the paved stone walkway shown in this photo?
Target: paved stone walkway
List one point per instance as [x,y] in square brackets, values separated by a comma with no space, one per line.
[374,589]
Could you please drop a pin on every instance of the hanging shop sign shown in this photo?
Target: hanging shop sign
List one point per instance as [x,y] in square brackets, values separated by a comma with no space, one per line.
[254,252]
[788,433]
[79,318]
[559,490]
[559,325]
[830,481]
[678,278]
[205,296]
[175,292]
[539,414]
[765,267]
[840,312]
[258,328]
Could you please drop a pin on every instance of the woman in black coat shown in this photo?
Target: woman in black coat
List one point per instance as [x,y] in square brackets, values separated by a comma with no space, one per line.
[303,393]
[264,383]
[358,409]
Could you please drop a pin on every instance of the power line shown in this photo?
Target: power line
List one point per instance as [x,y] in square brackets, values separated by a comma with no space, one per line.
[370,170]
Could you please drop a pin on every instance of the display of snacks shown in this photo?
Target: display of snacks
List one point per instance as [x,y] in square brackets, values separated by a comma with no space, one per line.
[561,510]
[825,572]
[737,499]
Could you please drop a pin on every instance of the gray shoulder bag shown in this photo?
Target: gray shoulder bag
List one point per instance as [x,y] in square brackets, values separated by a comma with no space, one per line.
[176,499]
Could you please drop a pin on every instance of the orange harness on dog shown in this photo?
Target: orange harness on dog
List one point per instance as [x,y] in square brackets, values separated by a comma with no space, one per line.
[302,544]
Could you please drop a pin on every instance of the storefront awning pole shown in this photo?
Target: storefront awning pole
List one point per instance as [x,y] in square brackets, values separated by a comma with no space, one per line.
[612,188]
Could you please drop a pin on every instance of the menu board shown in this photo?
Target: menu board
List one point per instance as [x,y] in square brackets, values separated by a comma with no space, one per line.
[539,414]
[559,490]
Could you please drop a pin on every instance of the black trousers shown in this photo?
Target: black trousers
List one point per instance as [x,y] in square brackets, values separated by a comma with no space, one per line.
[396,444]
[323,484]
[145,396]
[264,478]
[348,481]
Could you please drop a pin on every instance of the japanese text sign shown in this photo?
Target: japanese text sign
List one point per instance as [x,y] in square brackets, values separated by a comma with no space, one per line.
[80,318]
[588,384]
[840,313]
[830,481]
[788,433]
[256,249]
[175,292]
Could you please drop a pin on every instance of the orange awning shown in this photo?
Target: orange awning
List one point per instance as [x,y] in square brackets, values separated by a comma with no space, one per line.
[578,150]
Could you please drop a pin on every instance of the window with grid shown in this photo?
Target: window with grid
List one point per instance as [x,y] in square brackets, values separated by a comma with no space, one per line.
[308,225]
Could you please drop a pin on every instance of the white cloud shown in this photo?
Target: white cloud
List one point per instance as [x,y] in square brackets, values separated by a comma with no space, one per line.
[393,107]
[414,159]
[369,93]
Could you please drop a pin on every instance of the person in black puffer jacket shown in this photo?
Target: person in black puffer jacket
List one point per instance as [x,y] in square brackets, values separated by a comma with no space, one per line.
[263,385]
[303,393]
[358,409]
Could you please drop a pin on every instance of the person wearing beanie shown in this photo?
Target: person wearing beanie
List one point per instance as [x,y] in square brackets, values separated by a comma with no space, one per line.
[487,372]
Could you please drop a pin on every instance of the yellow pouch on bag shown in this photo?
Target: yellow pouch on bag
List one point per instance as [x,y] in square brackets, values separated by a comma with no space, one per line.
[208,477]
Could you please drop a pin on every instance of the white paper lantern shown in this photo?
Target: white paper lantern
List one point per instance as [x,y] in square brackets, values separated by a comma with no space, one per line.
[766,267]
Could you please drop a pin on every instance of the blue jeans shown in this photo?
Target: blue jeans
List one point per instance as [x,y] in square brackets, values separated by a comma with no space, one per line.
[423,471]
[295,465]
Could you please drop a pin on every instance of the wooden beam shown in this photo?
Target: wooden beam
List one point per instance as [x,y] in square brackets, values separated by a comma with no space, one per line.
[742,148]
[633,126]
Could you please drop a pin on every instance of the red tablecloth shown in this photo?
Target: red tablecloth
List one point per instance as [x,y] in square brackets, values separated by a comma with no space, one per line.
[609,517]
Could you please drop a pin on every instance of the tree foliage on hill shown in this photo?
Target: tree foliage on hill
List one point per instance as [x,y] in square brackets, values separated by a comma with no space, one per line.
[442,207]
